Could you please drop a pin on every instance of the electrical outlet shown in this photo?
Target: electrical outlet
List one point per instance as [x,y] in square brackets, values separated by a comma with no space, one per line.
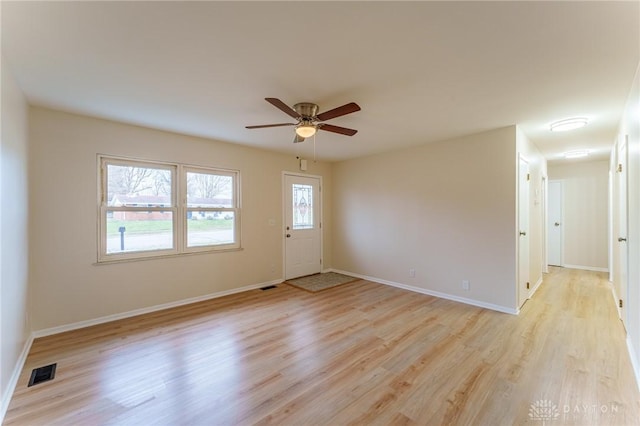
[466,285]
[412,273]
[273,267]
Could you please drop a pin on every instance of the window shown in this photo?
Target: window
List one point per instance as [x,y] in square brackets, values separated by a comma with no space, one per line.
[210,208]
[151,209]
[302,206]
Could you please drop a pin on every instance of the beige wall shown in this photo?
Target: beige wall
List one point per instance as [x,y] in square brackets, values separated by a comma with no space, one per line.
[447,210]
[14,253]
[585,209]
[69,287]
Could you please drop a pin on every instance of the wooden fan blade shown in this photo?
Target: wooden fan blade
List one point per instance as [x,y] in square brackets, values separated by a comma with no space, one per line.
[337,112]
[297,138]
[282,107]
[270,125]
[337,129]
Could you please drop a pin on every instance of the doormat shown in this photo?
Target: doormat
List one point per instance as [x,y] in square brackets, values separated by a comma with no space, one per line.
[319,282]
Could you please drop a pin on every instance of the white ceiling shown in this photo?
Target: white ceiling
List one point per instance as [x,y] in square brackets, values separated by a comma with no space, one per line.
[421,71]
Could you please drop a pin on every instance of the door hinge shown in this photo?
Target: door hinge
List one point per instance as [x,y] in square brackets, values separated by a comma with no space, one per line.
[528,285]
[620,303]
[528,176]
[619,169]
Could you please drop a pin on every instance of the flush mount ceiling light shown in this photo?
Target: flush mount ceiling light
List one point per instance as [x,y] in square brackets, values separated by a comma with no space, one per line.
[568,124]
[306,130]
[576,154]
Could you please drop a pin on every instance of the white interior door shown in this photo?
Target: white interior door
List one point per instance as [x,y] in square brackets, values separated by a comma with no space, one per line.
[523,227]
[623,208]
[302,226]
[555,223]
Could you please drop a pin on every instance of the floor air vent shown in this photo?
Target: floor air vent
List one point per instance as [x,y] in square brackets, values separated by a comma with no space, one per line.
[42,374]
[269,287]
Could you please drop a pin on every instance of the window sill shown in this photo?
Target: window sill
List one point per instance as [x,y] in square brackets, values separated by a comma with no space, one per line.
[163,256]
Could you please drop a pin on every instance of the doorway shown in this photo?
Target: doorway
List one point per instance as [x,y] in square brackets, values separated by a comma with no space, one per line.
[302,222]
[555,223]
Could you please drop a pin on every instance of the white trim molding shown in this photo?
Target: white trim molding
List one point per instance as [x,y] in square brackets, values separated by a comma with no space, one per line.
[438,294]
[634,360]
[13,381]
[586,268]
[141,311]
[536,286]
[616,300]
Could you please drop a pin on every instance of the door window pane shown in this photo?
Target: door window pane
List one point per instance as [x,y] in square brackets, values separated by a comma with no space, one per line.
[302,206]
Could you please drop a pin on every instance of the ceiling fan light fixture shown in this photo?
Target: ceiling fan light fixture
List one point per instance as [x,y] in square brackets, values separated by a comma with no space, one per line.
[306,130]
[568,124]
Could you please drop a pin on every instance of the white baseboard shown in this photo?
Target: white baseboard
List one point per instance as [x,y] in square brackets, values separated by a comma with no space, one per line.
[421,290]
[536,286]
[13,381]
[616,300]
[136,312]
[630,349]
[586,268]
[634,360]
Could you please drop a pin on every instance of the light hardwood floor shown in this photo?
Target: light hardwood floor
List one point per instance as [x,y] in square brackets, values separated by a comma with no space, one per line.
[361,353]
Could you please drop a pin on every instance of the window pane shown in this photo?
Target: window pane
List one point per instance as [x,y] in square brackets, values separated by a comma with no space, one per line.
[138,186]
[139,231]
[302,206]
[206,228]
[209,190]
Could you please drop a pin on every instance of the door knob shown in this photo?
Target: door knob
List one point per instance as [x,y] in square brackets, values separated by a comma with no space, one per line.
[288,235]
[556,224]
[621,239]
[522,233]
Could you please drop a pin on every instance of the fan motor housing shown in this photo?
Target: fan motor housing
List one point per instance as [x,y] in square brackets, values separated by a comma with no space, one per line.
[306,109]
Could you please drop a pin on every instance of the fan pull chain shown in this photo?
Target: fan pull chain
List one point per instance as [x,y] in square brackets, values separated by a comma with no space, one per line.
[314,147]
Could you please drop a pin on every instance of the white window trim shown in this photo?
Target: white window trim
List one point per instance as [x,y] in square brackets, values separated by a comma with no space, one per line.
[178,209]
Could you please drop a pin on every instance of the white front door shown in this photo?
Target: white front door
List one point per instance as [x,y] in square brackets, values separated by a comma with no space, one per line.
[554,224]
[523,227]
[302,226]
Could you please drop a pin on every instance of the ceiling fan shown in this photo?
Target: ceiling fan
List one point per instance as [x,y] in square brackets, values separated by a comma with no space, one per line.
[308,119]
